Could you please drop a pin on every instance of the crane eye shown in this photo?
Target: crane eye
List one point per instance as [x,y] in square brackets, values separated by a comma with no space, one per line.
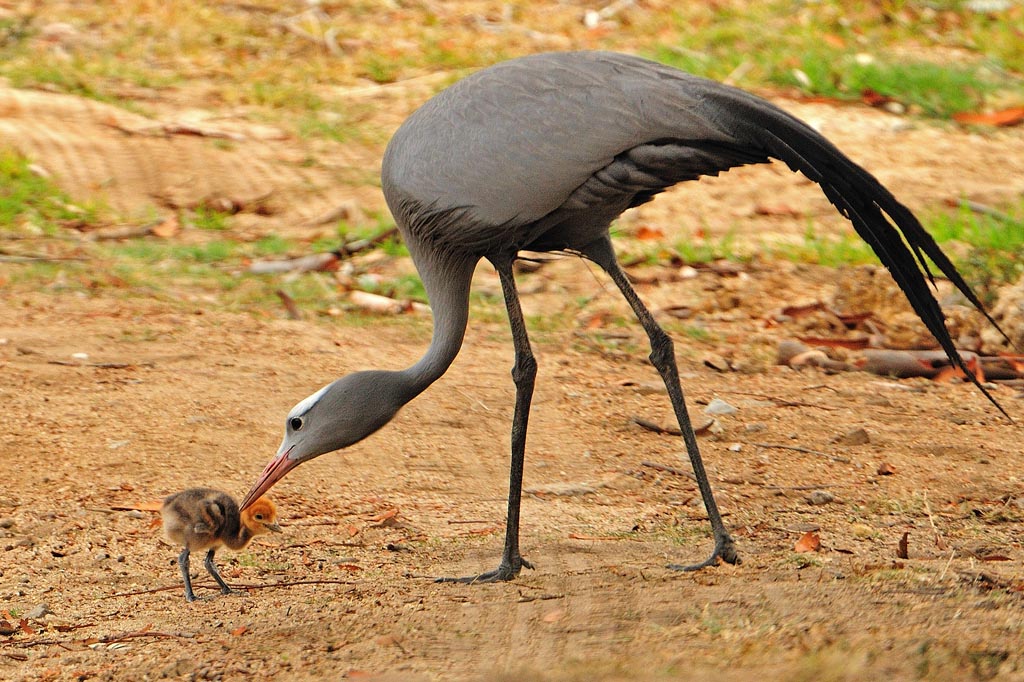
[295,423]
[259,517]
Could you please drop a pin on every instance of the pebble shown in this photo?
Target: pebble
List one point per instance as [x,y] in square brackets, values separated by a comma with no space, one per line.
[857,436]
[6,523]
[820,497]
[719,407]
[38,612]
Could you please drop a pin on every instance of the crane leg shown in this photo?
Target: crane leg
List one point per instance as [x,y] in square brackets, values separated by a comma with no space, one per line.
[663,358]
[183,566]
[212,570]
[524,372]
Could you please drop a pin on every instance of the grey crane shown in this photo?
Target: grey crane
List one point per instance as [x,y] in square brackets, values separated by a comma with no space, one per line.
[541,154]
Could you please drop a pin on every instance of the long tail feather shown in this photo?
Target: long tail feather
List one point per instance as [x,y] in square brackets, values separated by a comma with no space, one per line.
[890,229]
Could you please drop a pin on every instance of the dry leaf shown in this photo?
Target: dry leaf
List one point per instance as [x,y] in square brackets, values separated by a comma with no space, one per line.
[902,548]
[645,233]
[384,516]
[782,210]
[240,630]
[853,344]
[1006,117]
[834,41]
[353,530]
[167,228]
[886,469]
[802,310]
[873,98]
[808,542]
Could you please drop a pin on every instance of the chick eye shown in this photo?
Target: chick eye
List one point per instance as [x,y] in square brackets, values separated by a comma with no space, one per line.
[295,423]
[259,517]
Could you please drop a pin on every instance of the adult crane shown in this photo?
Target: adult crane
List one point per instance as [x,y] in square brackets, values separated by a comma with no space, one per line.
[541,154]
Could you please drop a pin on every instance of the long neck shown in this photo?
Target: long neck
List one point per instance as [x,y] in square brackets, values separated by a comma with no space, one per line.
[447,281]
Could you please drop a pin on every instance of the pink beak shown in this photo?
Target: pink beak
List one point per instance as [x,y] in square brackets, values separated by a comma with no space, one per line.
[275,471]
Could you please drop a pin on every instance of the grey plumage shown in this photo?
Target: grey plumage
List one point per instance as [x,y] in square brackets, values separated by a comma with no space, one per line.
[541,154]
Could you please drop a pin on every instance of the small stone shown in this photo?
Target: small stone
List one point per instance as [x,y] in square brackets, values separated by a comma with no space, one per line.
[857,436]
[101,556]
[862,530]
[38,612]
[717,362]
[735,447]
[6,523]
[719,407]
[756,427]
[820,497]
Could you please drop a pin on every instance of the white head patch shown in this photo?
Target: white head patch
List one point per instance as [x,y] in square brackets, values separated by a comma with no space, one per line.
[303,407]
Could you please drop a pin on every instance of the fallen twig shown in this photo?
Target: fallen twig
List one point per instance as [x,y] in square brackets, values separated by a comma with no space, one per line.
[354,247]
[38,259]
[106,639]
[130,232]
[100,365]
[795,448]
[656,428]
[781,402]
[540,597]
[806,487]
[262,586]
[289,304]
[671,430]
[668,469]
[139,633]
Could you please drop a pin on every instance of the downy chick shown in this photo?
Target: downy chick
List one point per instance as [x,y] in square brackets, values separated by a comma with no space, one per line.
[206,519]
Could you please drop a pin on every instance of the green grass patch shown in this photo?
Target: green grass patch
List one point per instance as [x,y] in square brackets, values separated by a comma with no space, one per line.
[931,89]
[32,204]
[958,59]
[206,218]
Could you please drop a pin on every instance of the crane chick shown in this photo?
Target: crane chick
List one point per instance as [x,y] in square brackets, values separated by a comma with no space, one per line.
[203,518]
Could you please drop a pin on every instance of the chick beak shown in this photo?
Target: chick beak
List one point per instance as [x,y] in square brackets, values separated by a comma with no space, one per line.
[272,527]
[275,471]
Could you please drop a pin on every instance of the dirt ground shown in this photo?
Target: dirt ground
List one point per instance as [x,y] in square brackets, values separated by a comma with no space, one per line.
[174,395]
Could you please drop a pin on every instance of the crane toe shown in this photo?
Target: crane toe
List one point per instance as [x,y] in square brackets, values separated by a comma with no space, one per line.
[725,549]
[505,572]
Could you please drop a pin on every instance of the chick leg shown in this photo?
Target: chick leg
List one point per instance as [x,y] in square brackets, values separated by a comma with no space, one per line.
[213,571]
[183,565]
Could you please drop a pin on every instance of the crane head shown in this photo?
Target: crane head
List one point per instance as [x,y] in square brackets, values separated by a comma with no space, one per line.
[335,417]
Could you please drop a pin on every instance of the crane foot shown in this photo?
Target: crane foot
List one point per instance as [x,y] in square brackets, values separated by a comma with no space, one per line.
[725,549]
[505,572]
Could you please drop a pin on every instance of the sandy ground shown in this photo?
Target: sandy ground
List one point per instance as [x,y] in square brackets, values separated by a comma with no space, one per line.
[175,394]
